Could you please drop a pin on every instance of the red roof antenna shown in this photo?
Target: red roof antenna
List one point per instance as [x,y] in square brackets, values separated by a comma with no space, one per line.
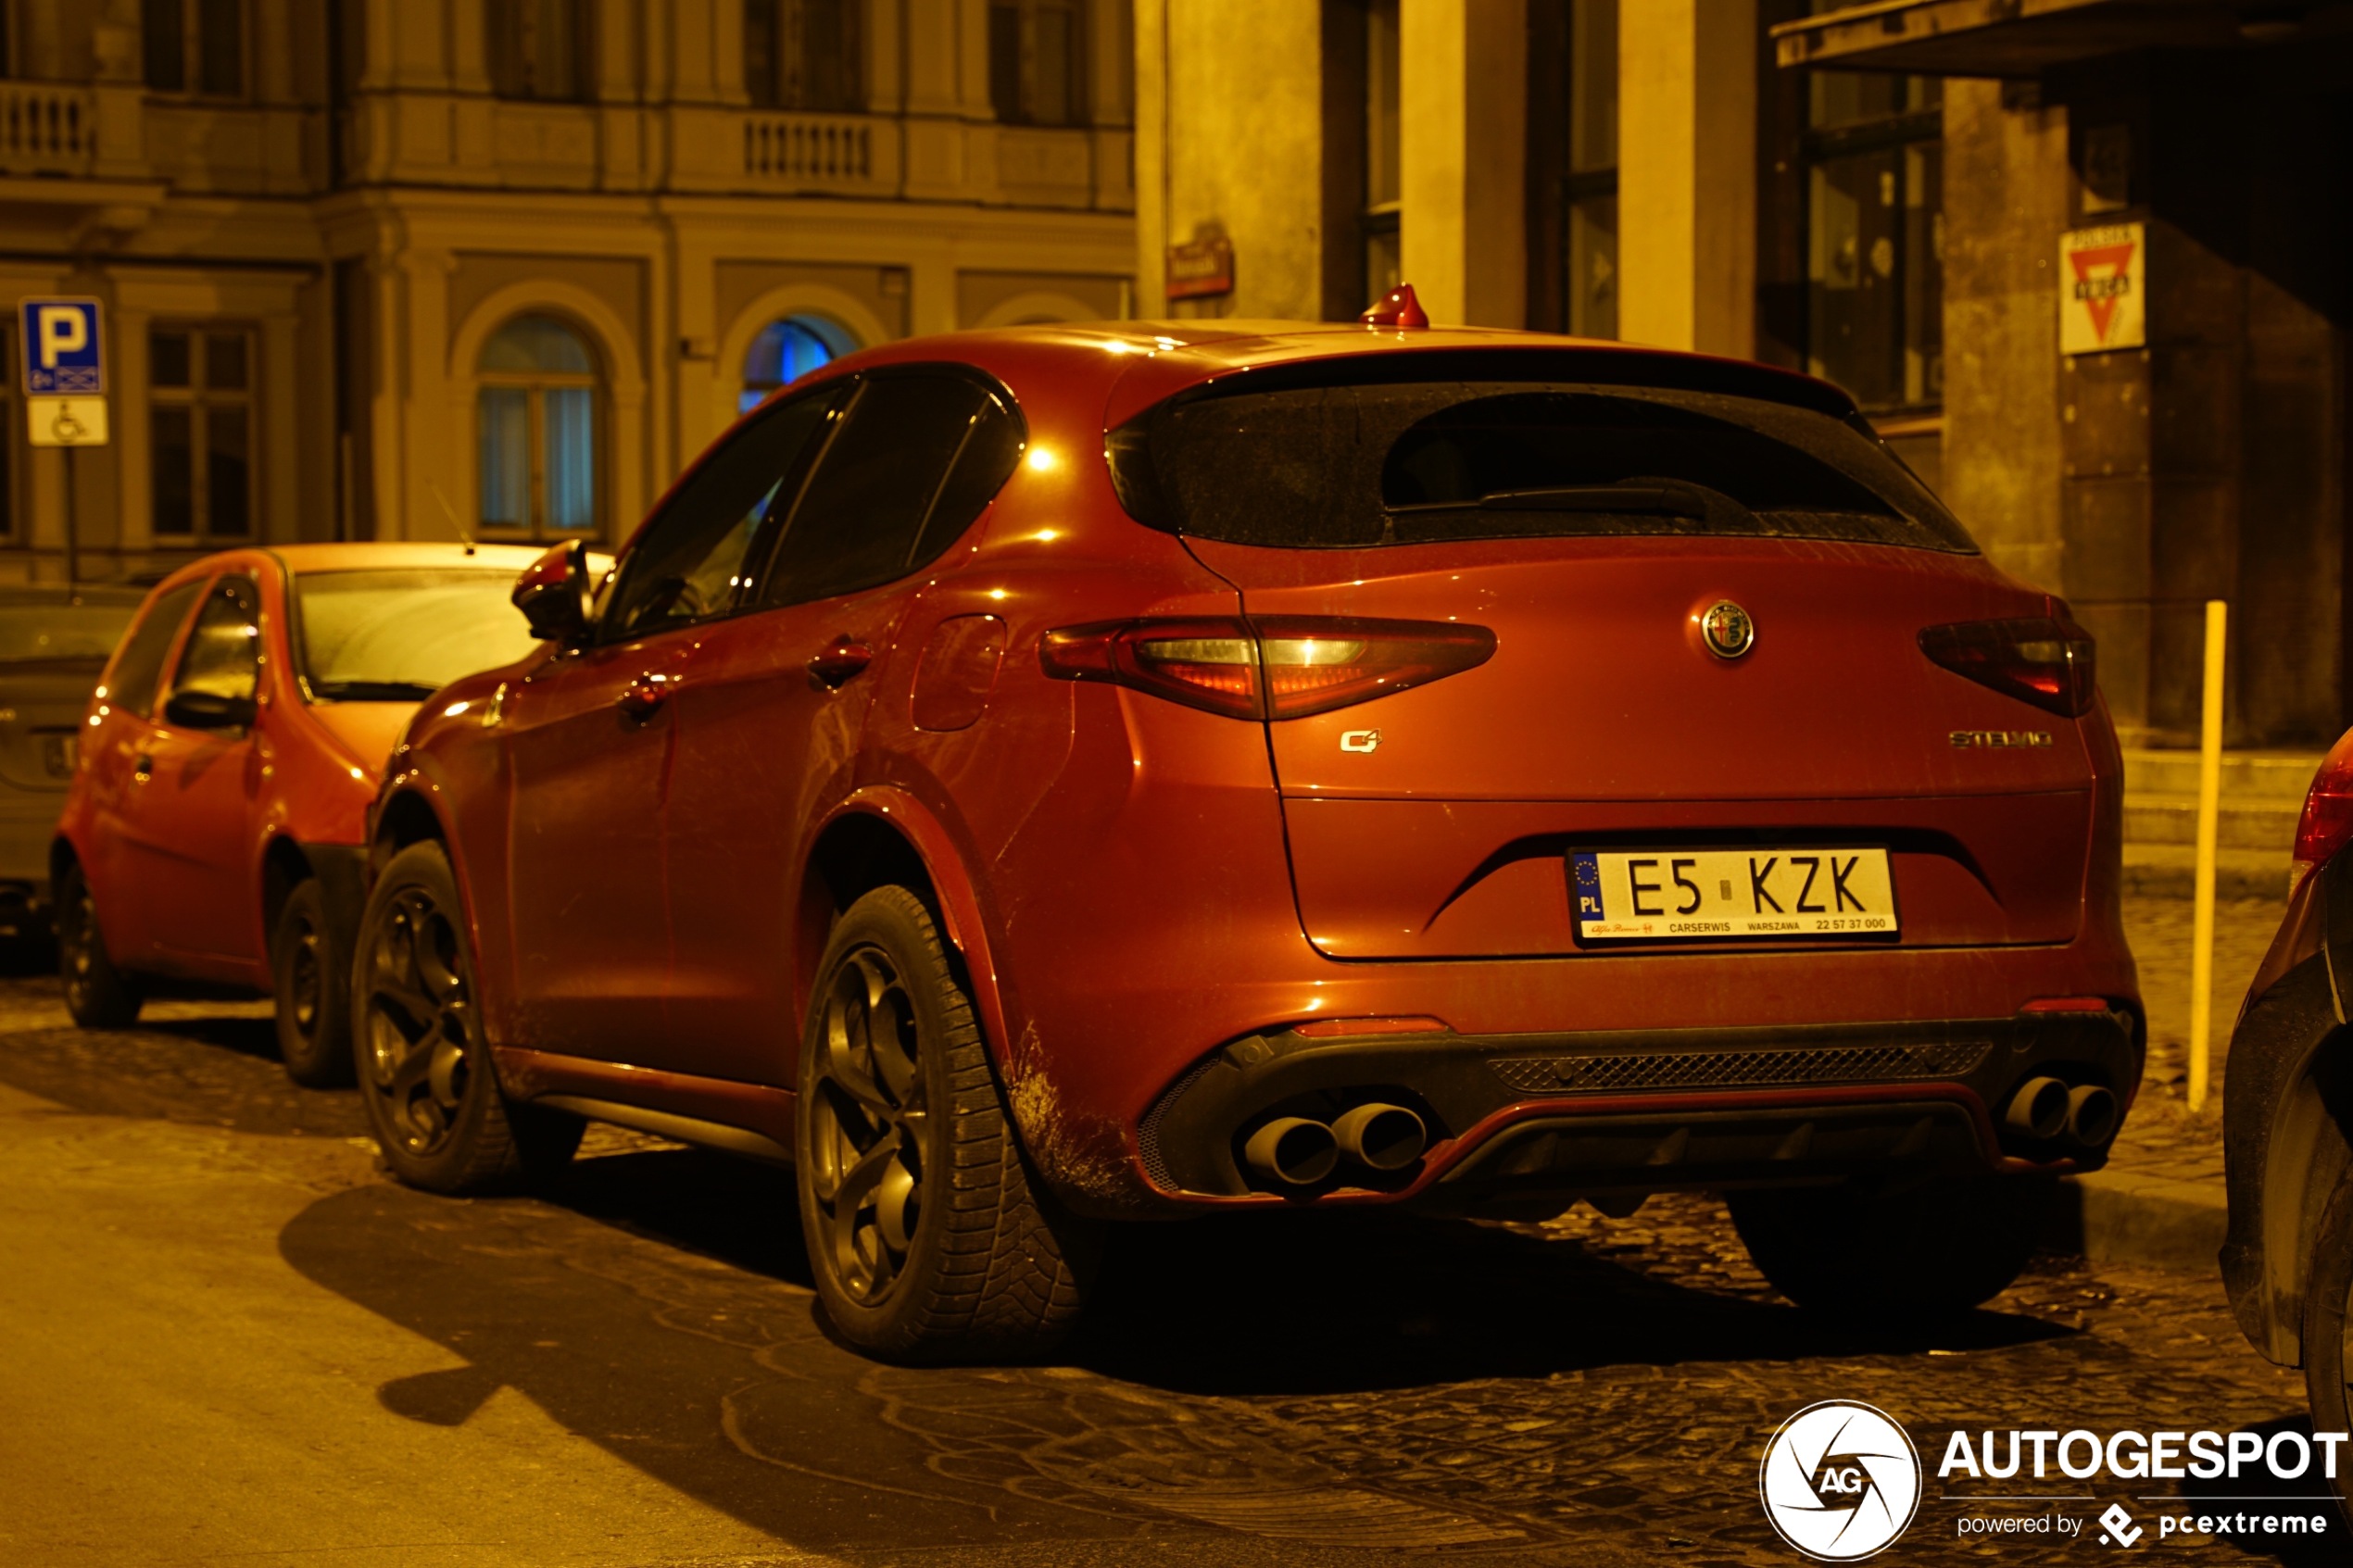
[1397,308]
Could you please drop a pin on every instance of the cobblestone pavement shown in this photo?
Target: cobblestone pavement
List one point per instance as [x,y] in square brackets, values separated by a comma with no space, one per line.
[1333,1389]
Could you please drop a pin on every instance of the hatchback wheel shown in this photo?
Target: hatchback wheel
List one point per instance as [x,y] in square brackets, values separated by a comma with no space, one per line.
[2328,1310]
[312,981]
[98,995]
[424,1068]
[927,1236]
[1929,1245]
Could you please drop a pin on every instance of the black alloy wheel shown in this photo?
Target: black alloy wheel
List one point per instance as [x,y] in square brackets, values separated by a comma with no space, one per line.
[929,1238]
[424,1067]
[98,995]
[870,1132]
[313,982]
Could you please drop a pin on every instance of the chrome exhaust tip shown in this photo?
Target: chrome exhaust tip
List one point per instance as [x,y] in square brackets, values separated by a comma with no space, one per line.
[2039,1109]
[1292,1151]
[2092,1115]
[1387,1137]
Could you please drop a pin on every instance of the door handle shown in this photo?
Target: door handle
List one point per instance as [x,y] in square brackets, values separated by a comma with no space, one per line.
[643,697]
[841,660]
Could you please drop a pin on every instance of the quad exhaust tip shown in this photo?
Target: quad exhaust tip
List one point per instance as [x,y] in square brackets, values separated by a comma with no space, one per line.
[2091,1115]
[2039,1109]
[2044,1108]
[1387,1137]
[1292,1151]
[1299,1152]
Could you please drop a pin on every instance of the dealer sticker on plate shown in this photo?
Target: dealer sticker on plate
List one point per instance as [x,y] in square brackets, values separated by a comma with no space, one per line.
[1651,893]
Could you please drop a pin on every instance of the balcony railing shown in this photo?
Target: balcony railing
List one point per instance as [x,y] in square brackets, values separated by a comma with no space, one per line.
[808,150]
[46,128]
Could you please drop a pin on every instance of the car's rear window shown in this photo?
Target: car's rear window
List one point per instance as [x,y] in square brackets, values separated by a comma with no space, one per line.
[1429,461]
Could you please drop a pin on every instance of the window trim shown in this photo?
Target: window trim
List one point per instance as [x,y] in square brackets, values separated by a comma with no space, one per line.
[198,398]
[522,86]
[192,90]
[534,384]
[1082,38]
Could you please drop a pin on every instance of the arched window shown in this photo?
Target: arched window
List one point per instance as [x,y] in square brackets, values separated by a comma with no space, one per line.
[785,350]
[537,410]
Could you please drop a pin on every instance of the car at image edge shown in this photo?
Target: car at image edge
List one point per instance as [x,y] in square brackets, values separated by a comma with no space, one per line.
[2287,1121]
[1033,779]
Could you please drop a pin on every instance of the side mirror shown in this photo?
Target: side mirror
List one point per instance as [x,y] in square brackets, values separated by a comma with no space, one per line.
[553,592]
[208,711]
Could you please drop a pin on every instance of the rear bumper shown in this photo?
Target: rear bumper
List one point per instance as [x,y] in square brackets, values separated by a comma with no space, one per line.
[1638,1110]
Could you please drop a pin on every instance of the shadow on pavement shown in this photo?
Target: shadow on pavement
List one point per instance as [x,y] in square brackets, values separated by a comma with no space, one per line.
[2276,1501]
[657,1304]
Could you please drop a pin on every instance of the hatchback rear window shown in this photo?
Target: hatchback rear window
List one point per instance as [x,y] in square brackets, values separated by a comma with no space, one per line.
[1350,467]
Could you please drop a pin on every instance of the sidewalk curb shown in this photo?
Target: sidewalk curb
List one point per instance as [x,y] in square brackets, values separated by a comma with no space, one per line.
[2133,1217]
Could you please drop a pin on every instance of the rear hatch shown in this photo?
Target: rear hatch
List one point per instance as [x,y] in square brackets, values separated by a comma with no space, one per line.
[1591,529]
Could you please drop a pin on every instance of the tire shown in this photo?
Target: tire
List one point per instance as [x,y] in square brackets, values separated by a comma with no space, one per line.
[2327,1362]
[423,1065]
[312,980]
[928,1237]
[98,995]
[1932,1246]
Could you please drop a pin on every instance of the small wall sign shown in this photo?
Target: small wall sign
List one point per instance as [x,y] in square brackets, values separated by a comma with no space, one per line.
[2103,291]
[1202,267]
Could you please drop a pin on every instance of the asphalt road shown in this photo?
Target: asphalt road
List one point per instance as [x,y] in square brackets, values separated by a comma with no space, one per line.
[230,1338]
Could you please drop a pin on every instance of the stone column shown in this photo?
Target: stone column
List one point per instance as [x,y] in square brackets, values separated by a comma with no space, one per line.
[1463,102]
[1687,174]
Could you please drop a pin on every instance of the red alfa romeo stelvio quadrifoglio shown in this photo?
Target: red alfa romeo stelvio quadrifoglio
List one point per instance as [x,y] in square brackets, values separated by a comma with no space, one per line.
[1036,779]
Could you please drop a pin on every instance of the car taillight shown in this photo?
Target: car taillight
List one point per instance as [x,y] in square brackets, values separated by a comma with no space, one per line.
[1277,667]
[2327,823]
[2045,660]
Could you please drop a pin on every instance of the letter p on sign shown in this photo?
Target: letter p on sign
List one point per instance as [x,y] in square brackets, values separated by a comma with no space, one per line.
[61,349]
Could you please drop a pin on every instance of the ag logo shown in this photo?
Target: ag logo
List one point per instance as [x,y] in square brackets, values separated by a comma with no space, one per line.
[1840,1481]
[1727,630]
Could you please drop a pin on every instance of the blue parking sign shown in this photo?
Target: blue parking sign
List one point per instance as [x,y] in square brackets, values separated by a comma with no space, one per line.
[61,348]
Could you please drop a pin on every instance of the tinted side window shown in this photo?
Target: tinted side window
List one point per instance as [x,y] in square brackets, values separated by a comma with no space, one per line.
[858,521]
[990,454]
[691,560]
[223,655]
[139,669]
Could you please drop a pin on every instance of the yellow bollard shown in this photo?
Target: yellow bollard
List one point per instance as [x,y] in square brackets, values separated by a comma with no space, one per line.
[2209,816]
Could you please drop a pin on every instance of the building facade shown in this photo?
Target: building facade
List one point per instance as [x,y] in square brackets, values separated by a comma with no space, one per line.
[2082,262]
[379,270]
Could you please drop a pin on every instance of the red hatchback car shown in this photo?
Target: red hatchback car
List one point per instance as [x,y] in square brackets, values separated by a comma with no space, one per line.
[215,830]
[1039,778]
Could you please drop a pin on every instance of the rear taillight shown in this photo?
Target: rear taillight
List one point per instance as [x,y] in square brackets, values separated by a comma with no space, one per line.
[2327,823]
[2044,660]
[1280,667]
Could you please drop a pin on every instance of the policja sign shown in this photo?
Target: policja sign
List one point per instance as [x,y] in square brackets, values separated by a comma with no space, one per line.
[65,373]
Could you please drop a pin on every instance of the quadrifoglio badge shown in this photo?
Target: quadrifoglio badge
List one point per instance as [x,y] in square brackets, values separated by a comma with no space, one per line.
[1842,1481]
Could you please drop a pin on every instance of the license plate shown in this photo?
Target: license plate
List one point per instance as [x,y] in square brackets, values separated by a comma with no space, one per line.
[1646,895]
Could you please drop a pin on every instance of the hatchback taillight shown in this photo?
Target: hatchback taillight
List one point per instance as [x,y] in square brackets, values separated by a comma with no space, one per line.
[2046,660]
[1273,666]
[2327,823]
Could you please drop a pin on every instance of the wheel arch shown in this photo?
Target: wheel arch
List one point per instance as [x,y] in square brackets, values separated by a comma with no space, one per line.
[283,867]
[880,837]
[2287,1114]
[405,818]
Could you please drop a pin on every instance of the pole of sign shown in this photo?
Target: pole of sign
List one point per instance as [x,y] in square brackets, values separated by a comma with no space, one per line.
[73,524]
[2209,815]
